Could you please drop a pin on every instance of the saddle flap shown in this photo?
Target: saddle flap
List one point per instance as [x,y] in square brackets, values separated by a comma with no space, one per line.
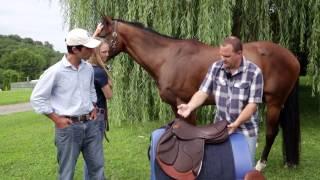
[168,147]
[190,156]
[187,164]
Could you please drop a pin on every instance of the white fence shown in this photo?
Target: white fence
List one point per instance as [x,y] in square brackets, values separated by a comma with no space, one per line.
[23,85]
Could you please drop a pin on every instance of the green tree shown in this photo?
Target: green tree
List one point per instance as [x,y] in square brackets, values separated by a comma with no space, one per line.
[8,76]
[26,56]
[1,78]
[293,24]
[24,61]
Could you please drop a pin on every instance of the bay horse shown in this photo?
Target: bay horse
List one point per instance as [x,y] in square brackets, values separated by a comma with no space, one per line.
[178,67]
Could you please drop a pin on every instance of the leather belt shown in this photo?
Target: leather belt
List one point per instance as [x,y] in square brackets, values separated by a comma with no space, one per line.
[81,118]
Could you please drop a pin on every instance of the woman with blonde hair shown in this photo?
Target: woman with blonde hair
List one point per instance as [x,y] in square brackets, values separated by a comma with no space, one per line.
[102,85]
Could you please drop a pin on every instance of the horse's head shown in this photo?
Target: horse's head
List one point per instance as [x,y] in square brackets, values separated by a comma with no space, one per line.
[110,34]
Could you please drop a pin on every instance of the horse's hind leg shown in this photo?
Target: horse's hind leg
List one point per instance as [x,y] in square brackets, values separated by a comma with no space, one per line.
[272,122]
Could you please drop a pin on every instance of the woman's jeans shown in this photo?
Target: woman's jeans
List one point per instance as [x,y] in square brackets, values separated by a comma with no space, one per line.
[101,121]
[79,137]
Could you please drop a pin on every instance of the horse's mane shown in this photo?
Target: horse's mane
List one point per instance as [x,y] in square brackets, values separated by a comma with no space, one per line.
[142,26]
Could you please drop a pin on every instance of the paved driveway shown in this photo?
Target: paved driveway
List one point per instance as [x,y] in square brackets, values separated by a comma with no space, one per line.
[13,108]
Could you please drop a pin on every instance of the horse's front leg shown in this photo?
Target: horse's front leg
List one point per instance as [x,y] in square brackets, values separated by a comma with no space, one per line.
[171,99]
[192,118]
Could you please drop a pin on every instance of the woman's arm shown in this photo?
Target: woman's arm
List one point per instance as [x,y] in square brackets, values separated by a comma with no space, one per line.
[98,30]
[107,91]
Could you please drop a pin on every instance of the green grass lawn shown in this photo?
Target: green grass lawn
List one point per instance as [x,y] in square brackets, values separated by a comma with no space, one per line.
[27,148]
[310,147]
[15,96]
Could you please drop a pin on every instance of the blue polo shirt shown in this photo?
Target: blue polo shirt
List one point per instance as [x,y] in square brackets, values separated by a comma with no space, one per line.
[100,80]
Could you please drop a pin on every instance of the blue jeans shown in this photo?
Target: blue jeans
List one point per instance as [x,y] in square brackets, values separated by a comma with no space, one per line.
[80,137]
[101,124]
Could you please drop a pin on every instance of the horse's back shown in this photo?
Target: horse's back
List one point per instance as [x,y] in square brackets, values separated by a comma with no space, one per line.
[265,54]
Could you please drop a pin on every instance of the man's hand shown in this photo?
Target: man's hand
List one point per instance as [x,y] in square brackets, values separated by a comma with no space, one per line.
[184,110]
[93,114]
[197,99]
[244,116]
[232,127]
[59,121]
[62,122]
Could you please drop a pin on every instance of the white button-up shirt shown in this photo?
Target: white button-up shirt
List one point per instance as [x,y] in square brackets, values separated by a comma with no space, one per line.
[65,90]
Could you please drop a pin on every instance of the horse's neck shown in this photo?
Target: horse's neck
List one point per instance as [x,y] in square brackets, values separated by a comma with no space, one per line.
[144,47]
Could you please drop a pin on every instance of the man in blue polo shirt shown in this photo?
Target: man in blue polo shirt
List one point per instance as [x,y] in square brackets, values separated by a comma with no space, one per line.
[237,85]
[65,93]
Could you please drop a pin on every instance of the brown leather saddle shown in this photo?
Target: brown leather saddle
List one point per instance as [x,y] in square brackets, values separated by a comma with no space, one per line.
[181,148]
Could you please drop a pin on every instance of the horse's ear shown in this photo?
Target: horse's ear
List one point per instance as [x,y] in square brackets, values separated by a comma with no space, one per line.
[107,23]
[107,20]
[102,15]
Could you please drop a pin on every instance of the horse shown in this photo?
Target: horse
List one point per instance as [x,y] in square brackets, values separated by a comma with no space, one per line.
[178,66]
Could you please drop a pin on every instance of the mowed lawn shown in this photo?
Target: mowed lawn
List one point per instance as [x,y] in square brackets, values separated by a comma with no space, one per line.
[27,148]
[14,96]
[310,146]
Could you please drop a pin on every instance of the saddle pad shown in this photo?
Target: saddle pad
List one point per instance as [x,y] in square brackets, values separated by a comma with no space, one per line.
[155,136]
[242,156]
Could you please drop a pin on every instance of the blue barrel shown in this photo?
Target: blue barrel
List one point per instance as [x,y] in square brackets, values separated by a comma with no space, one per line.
[239,150]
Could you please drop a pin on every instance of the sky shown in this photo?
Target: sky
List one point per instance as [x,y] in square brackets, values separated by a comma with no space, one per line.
[40,20]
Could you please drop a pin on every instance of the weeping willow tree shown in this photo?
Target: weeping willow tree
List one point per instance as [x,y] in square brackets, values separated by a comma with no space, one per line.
[314,44]
[293,24]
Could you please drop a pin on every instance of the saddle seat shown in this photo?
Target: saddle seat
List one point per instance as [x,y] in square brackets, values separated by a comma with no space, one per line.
[181,148]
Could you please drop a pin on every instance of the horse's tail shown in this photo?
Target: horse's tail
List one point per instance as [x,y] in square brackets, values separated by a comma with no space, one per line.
[290,123]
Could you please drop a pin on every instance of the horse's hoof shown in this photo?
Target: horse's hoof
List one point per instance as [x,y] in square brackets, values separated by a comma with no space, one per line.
[261,165]
[290,166]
